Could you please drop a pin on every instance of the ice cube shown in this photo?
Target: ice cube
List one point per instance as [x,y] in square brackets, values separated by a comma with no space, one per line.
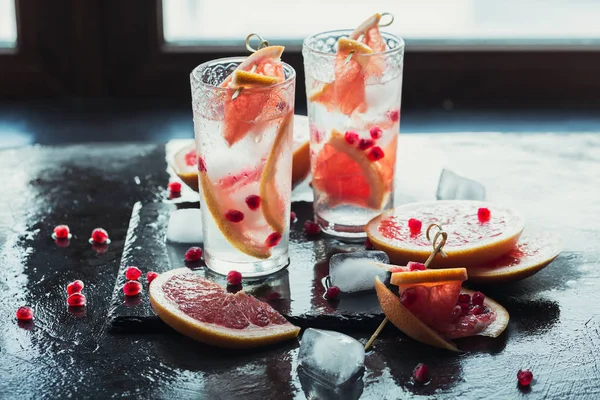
[356,271]
[330,357]
[313,389]
[452,186]
[185,226]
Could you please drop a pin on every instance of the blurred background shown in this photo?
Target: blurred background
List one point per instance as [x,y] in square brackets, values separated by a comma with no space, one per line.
[105,70]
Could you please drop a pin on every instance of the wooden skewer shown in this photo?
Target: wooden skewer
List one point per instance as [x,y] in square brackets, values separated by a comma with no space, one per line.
[436,249]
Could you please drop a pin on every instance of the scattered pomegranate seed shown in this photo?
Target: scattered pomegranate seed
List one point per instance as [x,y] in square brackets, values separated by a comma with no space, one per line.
[75,287]
[193,254]
[201,164]
[333,292]
[293,217]
[132,288]
[351,137]
[376,132]
[464,298]
[365,144]
[483,214]
[368,244]
[150,276]
[76,300]
[477,310]
[408,297]
[478,299]
[376,154]
[395,115]
[414,225]
[524,376]
[133,273]
[273,239]
[61,232]
[416,266]
[311,228]
[174,187]
[253,202]
[421,373]
[234,216]
[24,314]
[99,236]
[234,278]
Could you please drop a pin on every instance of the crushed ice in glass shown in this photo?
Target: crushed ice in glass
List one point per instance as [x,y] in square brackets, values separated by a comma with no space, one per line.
[330,357]
[356,271]
[452,186]
[185,226]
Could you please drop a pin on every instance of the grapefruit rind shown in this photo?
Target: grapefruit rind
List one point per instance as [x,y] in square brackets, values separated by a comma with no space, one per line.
[472,254]
[210,333]
[429,277]
[498,326]
[256,58]
[245,79]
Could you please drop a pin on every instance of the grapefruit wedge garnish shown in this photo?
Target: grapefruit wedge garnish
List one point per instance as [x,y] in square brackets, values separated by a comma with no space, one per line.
[349,176]
[470,242]
[427,307]
[369,31]
[204,311]
[243,110]
[530,255]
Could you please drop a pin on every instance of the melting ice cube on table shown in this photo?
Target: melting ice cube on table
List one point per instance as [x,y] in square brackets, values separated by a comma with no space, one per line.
[185,226]
[455,187]
[330,357]
[356,271]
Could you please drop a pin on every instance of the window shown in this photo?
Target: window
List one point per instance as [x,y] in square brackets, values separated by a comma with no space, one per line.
[8,25]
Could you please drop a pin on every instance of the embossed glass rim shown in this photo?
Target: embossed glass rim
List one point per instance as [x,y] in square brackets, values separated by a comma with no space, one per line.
[196,75]
[346,32]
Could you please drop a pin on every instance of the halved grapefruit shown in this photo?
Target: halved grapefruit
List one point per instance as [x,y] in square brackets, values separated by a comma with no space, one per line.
[204,311]
[529,256]
[470,242]
[347,175]
[428,308]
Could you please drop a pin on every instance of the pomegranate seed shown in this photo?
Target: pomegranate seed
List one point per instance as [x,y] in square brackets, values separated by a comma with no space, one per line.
[61,232]
[150,276]
[464,298]
[132,288]
[24,314]
[76,300]
[524,376]
[293,217]
[311,228]
[201,164]
[365,144]
[477,310]
[133,273]
[369,245]
[175,187]
[351,137]
[376,154]
[376,132]
[253,202]
[421,373]
[478,299]
[395,115]
[414,225]
[234,216]
[408,297]
[99,236]
[273,239]
[456,312]
[416,266]
[75,287]
[464,308]
[234,278]
[193,254]
[333,292]
[483,214]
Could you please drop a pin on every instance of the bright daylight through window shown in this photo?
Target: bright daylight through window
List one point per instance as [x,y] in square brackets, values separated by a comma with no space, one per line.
[8,26]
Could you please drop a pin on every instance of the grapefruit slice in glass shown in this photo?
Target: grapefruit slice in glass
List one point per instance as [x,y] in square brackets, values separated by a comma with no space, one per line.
[530,255]
[470,242]
[204,311]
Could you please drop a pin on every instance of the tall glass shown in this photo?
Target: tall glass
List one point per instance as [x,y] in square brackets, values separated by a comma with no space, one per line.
[244,145]
[354,113]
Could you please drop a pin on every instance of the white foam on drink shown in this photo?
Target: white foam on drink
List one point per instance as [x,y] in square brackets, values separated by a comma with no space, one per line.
[185,226]
[355,272]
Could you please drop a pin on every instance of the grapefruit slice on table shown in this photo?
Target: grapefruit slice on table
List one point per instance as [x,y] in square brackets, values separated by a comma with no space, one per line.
[470,242]
[346,174]
[530,255]
[204,311]
[241,113]
[428,311]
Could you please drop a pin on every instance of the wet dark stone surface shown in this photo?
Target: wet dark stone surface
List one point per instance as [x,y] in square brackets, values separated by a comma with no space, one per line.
[554,327]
